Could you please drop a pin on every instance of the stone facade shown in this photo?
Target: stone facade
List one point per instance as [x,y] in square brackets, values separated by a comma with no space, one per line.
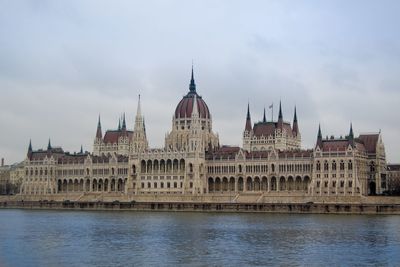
[192,162]
[393,178]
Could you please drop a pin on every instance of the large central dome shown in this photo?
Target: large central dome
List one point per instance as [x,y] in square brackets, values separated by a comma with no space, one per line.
[185,106]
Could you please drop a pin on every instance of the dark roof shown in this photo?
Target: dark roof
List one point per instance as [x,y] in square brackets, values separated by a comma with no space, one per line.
[112,136]
[281,154]
[370,141]
[223,152]
[268,128]
[185,107]
[335,144]
[393,167]
[40,154]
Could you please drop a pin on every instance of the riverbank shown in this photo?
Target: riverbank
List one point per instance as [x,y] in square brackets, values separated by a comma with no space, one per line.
[209,203]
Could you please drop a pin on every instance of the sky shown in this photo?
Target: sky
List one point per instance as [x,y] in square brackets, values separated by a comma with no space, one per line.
[62,63]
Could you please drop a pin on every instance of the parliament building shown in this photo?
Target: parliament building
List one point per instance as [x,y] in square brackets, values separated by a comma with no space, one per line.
[271,160]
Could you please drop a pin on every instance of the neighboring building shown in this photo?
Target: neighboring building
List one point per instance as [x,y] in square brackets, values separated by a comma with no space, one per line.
[17,174]
[393,177]
[4,177]
[193,162]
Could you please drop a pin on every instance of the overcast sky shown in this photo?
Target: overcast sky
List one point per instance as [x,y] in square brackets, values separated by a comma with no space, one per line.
[62,63]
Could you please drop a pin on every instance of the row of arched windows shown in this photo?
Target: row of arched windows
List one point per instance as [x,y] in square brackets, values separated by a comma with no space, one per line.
[333,165]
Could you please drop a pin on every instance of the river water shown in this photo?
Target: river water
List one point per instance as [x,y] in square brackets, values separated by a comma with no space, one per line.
[86,238]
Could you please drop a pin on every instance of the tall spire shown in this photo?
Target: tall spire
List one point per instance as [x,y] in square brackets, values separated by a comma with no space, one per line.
[264,117]
[351,133]
[280,117]
[30,146]
[192,86]
[319,136]
[295,123]
[49,145]
[123,122]
[119,124]
[248,119]
[99,134]
[81,152]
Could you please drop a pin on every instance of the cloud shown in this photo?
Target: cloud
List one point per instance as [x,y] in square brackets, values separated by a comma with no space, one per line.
[63,63]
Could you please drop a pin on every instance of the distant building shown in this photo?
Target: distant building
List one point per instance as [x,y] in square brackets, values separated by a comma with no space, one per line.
[393,174]
[192,161]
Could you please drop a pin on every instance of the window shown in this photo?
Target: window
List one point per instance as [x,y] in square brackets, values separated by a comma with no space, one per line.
[341,183]
[334,166]
[326,166]
[341,165]
[318,167]
[350,165]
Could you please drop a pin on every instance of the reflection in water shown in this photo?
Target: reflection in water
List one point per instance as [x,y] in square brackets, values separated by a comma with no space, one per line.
[73,238]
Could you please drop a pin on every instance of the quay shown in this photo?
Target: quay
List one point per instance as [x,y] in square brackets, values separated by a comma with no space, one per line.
[238,203]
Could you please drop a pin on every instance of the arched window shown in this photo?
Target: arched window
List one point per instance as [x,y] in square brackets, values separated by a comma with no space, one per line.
[318,167]
[350,165]
[334,166]
[342,165]
[326,165]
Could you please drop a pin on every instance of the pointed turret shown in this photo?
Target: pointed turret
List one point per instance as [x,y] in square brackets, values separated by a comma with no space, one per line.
[123,123]
[295,123]
[139,141]
[351,135]
[119,124]
[192,86]
[30,146]
[264,117]
[30,151]
[195,112]
[81,152]
[49,145]
[99,133]
[319,136]
[280,116]
[248,119]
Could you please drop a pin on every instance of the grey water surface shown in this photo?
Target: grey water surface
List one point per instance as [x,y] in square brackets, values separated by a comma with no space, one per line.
[88,238]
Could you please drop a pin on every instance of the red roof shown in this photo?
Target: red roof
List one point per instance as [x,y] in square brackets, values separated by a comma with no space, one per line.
[370,141]
[335,145]
[223,152]
[185,107]
[112,136]
[268,128]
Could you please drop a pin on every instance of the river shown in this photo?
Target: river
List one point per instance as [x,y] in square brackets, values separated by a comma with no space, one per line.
[89,238]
